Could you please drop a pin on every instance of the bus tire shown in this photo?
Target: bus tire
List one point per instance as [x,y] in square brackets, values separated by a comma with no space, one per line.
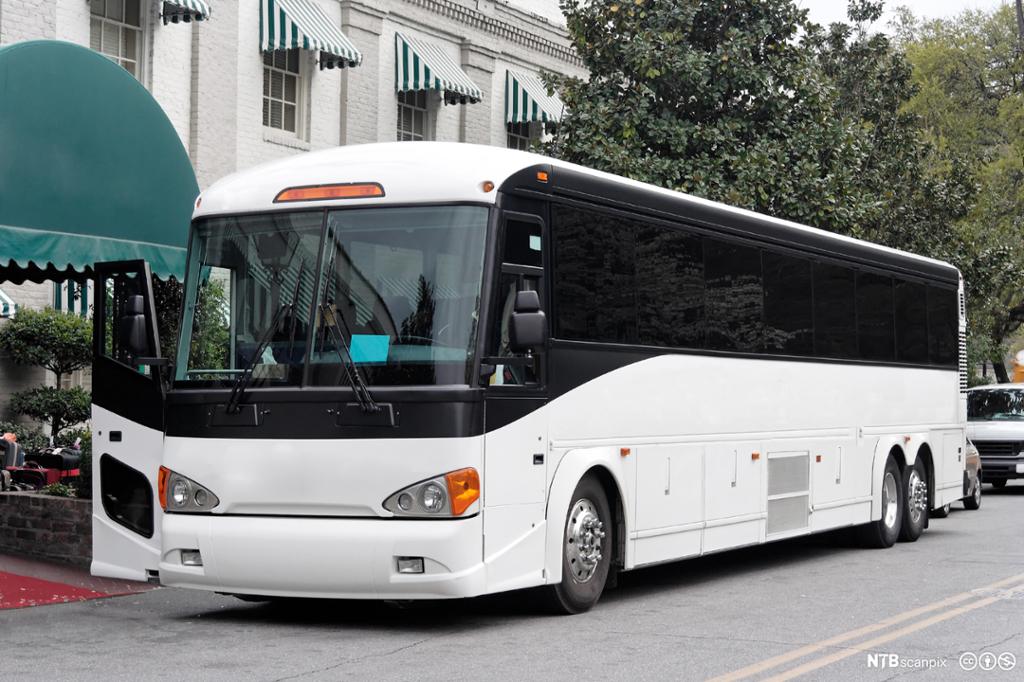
[915,502]
[586,549]
[883,533]
[941,512]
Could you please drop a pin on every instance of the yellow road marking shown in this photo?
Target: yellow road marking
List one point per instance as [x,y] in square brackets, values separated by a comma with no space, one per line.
[888,637]
[776,661]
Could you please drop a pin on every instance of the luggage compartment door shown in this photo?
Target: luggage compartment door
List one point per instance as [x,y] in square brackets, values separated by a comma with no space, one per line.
[127,422]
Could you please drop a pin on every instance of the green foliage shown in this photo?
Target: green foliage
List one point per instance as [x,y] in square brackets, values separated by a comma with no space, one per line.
[46,338]
[59,490]
[59,407]
[718,98]
[30,438]
[211,331]
[969,79]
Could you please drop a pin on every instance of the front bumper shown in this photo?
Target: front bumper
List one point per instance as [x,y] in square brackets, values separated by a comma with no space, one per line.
[345,558]
[1002,467]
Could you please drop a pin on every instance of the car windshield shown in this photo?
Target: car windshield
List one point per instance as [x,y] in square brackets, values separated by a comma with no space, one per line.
[995,405]
[397,289]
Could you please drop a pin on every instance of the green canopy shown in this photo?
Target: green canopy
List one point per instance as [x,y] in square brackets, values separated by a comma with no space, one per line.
[91,169]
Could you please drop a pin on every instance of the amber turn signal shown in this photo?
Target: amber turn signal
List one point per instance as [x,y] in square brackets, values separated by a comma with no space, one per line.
[161,486]
[349,190]
[463,489]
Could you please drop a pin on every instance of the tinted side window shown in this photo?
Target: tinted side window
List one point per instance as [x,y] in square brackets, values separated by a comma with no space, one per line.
[911,322]
[670,287]
[595,276]
[943,325]
[732,276]
[835,331]
[789,322]
[523,243]
[875,333]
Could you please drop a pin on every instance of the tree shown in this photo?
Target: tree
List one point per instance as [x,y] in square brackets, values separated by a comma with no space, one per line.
[969,74]
[61,343]
[719,98]
[56,341]
[59,407]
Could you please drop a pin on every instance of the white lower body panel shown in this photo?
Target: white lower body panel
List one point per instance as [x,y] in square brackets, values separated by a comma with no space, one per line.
[325,557]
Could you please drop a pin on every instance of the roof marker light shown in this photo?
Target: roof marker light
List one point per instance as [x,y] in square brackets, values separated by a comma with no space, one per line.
[487,186]
[348,190]
[542,176]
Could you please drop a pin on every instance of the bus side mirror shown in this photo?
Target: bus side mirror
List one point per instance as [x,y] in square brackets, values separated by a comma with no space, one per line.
[528,327]
[132,327]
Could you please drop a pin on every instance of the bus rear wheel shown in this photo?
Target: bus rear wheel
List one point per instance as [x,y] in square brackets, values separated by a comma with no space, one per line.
[915,502]
[586,549]
[884,532]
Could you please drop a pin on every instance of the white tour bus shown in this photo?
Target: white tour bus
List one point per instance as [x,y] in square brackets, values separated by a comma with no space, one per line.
[429,370]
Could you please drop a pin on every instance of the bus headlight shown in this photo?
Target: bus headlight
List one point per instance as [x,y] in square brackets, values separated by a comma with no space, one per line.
[447,495]
[181,494]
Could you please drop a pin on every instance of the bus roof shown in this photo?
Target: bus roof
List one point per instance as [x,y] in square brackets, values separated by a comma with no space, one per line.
[451,172]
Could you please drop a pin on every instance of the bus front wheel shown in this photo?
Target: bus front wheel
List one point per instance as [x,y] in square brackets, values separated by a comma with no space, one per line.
[586,549]
[884,532]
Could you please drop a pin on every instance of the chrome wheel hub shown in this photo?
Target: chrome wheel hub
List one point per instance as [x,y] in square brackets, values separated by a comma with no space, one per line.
[890,500]
[584,533]
[917,496]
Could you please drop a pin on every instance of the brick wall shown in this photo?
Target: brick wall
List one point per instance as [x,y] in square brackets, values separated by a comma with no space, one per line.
[54,528]
[27,20]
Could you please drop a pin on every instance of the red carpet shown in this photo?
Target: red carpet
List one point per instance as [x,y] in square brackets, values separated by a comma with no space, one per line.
[18,591]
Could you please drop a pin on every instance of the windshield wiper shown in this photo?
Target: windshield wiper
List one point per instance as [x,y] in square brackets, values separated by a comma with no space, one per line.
[245,378]
[330,316]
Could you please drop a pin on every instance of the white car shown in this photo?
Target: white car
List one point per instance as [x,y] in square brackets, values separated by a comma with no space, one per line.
[995,424]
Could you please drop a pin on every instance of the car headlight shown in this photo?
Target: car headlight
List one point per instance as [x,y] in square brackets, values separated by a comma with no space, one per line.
[447,495]
[181,494]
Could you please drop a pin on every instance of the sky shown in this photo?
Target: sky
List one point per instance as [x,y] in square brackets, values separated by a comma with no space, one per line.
[827,11]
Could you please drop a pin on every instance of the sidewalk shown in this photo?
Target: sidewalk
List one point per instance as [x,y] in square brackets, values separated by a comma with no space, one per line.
[29,582]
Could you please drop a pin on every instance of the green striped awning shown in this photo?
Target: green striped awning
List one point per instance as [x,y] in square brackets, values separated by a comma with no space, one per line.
[527,100]
[287,24]
[185,10]
[420,65]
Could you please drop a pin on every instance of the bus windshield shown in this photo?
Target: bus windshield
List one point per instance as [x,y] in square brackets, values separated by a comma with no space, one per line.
[297,295]
[995,405]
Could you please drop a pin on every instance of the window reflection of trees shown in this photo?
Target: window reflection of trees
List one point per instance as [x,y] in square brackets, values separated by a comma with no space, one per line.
[734,296]
[619,279]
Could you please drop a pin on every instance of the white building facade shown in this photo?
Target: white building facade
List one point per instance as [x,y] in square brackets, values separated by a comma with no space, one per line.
[249,81]
[236,105]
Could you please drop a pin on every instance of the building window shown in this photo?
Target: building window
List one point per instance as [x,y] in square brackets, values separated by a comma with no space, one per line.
[282,82]
[115,30]
[413,116]
[518,136]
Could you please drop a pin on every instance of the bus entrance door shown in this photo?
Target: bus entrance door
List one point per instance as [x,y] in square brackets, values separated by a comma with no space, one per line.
[127,423]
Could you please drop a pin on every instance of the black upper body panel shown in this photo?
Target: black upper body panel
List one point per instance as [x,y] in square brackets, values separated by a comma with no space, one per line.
[571,184]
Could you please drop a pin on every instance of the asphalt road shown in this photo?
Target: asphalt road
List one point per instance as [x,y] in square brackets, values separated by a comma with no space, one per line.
[817,607]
